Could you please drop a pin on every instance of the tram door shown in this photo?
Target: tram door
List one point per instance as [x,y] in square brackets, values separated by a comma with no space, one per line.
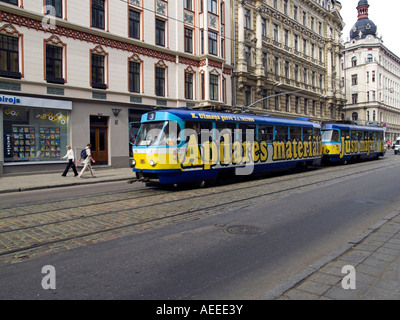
[99,139]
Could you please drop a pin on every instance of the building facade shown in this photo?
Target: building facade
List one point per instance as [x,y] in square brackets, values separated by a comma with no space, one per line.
[74,72]
[290,51]
[372,77]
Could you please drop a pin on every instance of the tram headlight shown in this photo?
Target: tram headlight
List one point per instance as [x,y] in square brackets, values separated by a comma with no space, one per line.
[133,162]
[153,163]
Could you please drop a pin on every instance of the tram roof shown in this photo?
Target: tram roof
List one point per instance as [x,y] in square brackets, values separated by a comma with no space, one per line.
[344,126]
[199,115]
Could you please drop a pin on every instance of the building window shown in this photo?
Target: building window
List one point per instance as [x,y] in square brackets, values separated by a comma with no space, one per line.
[188,40]
[247,52]
[286,33]
[134,76]
[188,4]
[134,24]
[276,66]
[354,98]
[98,71]
[213,87]
[247,19]
[285,7]
[14,2]
[98,14]
[287,103]
[160,82]
[263,27]
[295,13]
[305,75]
[296,72]
[160,32]
[212,6]
[354,61]
[212,43]
[9,57]
[276,32]
[57,5]
[297,104]
[296,42]
[54,64]
[276,101]
[353,79]
[369,58]
[202,86]
[188,85]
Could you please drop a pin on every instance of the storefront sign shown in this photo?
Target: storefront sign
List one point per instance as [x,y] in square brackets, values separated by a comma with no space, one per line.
[35,102]
[9,100]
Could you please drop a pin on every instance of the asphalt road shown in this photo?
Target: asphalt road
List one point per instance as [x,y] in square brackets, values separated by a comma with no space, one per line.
[200,259]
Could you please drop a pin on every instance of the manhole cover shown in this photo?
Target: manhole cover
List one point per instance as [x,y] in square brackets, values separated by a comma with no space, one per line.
[245,230]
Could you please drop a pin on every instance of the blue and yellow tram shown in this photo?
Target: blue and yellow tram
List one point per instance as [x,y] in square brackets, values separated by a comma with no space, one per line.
[183,145]
[348,142]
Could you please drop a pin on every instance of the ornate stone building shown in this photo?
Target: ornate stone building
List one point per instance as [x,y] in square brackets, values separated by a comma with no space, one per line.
[74,72]
[372,77]
[290,51]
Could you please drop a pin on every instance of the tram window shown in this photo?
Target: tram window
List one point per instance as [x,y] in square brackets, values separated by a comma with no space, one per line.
[150,133]
[317,132]
[345,134]
[243,127]
[200,128]
[371,135]
[281,133]
[171,133]
[307,132]
[223,126]
[265,133]
[360,135]
[295,133]
[354,135]
[330,135]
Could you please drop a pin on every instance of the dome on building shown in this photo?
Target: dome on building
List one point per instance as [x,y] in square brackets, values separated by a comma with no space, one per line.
[362,29]
[364,26]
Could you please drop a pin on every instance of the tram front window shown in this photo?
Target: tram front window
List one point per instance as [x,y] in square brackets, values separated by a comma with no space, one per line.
[159,133]
[330,136]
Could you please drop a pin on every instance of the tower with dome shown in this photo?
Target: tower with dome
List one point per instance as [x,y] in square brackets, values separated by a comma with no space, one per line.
[371,77]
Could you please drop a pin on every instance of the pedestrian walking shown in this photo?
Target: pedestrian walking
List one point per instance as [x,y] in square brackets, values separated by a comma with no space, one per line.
[86,156]
[71,162]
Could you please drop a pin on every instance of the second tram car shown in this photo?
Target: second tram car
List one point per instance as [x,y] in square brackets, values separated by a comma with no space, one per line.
[348,142]
[183,145]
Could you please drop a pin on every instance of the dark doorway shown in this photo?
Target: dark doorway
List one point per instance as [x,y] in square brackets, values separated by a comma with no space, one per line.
[99,139]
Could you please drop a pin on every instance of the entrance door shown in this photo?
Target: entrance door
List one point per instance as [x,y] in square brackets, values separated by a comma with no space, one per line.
[99,138]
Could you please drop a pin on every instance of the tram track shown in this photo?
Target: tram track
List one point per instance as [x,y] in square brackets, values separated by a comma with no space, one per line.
[138,216]
[146,192]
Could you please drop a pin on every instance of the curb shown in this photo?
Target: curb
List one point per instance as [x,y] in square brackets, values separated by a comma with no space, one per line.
[60,185]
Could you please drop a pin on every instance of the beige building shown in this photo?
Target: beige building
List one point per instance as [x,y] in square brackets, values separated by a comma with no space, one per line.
[372,77]
[74,72]
[290,51]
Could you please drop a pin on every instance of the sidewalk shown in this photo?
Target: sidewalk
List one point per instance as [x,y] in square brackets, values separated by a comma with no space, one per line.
[375,255]
[14,183]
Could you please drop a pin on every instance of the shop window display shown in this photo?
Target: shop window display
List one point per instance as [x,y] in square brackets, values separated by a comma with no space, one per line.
[34,134]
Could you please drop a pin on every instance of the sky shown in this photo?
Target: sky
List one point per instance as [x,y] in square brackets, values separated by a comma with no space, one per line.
[385,15]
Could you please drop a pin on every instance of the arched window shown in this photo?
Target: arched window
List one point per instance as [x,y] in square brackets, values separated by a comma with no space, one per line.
[354,116]
[369,58]
[354,61]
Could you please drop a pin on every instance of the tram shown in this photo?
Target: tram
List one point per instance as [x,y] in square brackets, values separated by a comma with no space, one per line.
[349,142]
[184,145]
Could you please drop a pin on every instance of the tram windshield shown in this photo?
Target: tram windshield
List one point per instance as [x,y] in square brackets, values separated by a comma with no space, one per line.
[330,136]
[158,133]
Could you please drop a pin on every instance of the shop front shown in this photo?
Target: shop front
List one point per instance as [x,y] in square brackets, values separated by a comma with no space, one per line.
[35,133]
